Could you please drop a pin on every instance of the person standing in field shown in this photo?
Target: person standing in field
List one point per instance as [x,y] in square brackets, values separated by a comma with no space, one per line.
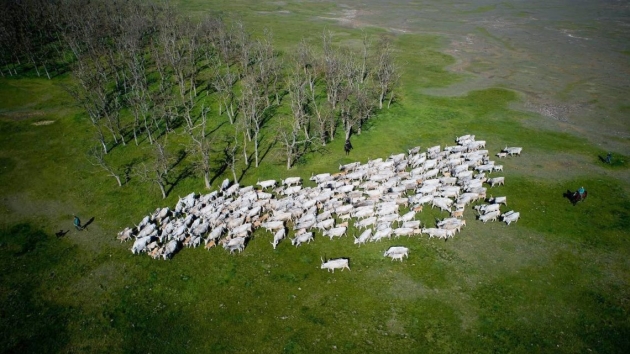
[77,223]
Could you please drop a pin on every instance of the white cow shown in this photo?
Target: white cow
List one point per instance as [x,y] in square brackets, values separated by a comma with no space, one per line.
[498,200]
[273,225]
[267,184]
[397,252]
[325,224]
[125,235]
[277,237]
[412,224]
[292,190]
[513,150]
[365,236]
[441,233]
[335,232]
[381,234]
[365,223]
[511,216]
[339,263]
[300,239]
[492,216]
[235,244]
[140,245]
[323,177]
[291,181]
[403,231]
[496,181]
[170,249]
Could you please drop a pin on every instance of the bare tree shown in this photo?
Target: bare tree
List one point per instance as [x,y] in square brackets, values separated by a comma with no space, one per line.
[365,51]
[157,171]
[244,44]
[319,108]
[267,67]
[230,155]
[297,85]
[332,68]
[88,94]
[201,147]
[254,108]
[224,83]
[295,144]
[97,158]
[386,72]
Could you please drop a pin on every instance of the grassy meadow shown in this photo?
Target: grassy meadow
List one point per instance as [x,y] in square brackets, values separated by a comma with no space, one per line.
[556,281]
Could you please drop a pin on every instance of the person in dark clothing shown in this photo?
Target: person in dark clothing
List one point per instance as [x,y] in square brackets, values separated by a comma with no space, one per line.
[609,158]
[347,146]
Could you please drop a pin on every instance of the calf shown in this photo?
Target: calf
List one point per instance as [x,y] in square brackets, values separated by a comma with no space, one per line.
[210,244]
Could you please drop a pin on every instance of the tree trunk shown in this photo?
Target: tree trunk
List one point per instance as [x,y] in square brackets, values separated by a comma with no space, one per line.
[162,189]
[47,73]
[104,146]
[117,180]
[245,151]
[206,179]
[233,164]
[256,147]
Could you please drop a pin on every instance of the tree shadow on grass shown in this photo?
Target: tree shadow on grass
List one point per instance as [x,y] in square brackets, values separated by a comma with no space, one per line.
[185,173]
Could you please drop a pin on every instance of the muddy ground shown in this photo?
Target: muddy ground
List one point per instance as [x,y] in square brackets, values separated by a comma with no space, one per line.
[568,59]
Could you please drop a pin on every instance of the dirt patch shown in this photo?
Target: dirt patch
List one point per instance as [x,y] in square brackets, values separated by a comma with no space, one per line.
[348,17]
[18,116]
[44,122]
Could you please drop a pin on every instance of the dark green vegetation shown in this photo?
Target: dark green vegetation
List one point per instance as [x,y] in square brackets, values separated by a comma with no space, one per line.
[555,281]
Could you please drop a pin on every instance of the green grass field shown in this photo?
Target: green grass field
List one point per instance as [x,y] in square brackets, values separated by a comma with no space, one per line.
[556,281]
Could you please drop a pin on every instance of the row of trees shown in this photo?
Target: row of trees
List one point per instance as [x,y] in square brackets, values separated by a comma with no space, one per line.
[146,74]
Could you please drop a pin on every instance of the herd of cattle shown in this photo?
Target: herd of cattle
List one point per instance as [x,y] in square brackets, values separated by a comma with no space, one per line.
[371,196]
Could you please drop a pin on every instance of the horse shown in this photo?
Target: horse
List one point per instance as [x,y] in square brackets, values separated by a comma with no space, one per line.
[575,197]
